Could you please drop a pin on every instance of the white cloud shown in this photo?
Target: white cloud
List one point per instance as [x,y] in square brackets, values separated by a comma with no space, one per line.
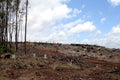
[101,42]
[83,27]
[98,32]
[58,37]
[62,32]
[111,39]
[114,2]
[102,20]
[76,12]
[73,23]
[44,13]
[44,16]
[116,30]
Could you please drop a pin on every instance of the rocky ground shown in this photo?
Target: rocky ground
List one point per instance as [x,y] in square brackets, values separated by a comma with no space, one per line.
[61,62]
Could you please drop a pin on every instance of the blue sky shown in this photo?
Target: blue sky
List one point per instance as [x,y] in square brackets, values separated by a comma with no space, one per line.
[75,21]
[96,10]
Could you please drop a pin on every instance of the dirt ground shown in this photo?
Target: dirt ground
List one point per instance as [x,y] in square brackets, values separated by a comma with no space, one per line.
[62,62]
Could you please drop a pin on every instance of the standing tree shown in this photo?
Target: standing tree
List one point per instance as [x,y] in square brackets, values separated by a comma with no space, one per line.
[2,22]
[26,24]
[17,3]
[11,16]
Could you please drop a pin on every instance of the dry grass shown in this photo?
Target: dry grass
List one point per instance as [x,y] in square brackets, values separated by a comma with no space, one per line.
[3,78]
[67,65]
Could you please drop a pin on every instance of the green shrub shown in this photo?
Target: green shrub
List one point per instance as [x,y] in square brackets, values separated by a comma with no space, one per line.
[4,49]
[12,51]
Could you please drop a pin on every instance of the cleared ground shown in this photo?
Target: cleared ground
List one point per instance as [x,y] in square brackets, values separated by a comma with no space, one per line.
[62,62]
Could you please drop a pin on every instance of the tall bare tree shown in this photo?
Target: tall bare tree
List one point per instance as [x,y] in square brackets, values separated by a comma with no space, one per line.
[2,21]
[10,20]
[26,25]
[17,3]
[6,25]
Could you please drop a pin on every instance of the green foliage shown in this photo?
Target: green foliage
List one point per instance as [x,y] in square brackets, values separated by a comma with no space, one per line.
[4,49]
[12,51]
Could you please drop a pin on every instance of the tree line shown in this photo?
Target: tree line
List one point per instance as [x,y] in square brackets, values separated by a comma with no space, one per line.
[13,13]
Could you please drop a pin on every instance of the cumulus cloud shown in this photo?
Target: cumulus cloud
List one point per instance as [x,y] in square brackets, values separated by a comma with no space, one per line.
[44,24]
[114,2]
[44,13]
[58,37]
[62,32]
[114,37]
[102,20]
[111,39]
[115,30]
[83,27]
[43,18]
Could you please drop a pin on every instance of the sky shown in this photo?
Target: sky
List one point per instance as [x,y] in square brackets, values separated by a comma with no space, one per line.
[95,22]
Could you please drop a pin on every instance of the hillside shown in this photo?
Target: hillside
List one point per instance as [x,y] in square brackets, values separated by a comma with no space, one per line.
[51,61]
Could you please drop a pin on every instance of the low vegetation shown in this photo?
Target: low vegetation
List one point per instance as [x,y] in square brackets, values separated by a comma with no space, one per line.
[69,62]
